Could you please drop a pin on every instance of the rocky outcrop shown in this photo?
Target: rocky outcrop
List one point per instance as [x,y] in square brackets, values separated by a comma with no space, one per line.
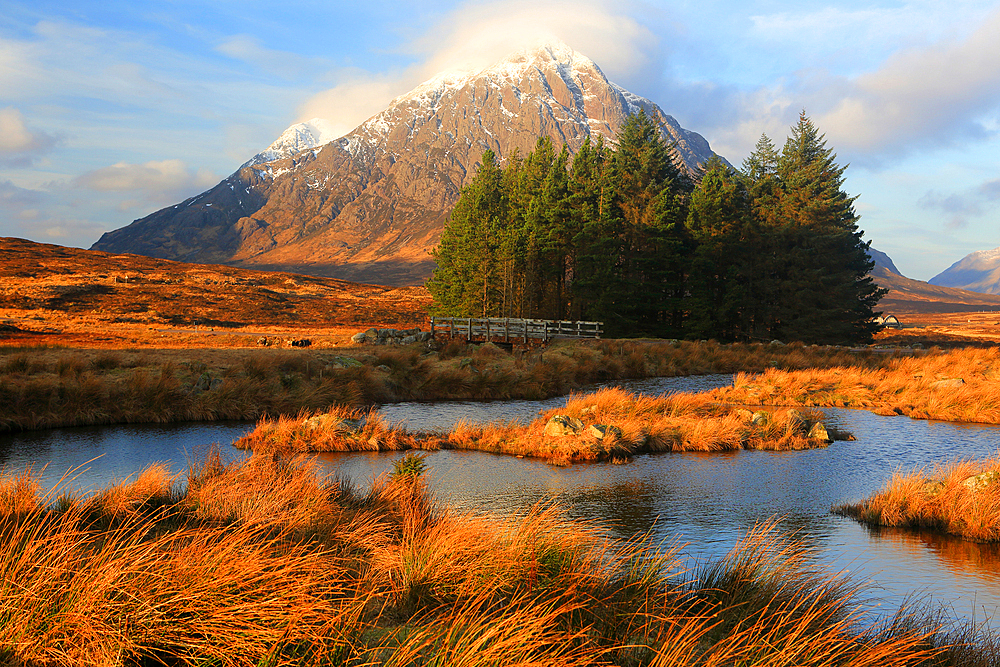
[375,336]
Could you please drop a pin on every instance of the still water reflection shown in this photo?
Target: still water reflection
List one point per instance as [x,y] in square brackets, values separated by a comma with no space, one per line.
[708,500]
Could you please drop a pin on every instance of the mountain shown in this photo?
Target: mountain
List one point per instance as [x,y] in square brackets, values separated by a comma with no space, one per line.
[371,205]
[297,138]
[977,272]
[883,261]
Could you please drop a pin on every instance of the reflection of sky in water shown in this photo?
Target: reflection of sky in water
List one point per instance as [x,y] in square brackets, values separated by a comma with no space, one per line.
[707,500]
[108,454]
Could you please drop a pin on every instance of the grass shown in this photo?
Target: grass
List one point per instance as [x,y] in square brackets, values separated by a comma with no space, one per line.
[610,424]
[263,562]
[50,387]
[960,498]
[957,385]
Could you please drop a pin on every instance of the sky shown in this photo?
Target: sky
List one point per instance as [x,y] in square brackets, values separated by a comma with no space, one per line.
[111,110]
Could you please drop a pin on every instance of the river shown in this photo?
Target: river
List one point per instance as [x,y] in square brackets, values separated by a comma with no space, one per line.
[706,500]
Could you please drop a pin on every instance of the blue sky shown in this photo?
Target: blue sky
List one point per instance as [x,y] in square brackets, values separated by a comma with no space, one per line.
[111,110]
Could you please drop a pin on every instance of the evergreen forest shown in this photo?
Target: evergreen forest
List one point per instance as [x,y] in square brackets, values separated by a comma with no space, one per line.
[618,234]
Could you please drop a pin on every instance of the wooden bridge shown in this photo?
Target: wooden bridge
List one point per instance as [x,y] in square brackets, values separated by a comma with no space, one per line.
[511,330]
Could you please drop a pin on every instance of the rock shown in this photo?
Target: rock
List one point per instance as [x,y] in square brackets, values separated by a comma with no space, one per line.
[981,481]
[949,383]
[383,368]
[932,487]
[760,418]
[819,432]
[331,423]
[408,340]
[424,336]
[562,425]
[371,333]
[798,420]
[603,431]
[776,342]
[744,415]
[346,362]
[298,342]
[359,337]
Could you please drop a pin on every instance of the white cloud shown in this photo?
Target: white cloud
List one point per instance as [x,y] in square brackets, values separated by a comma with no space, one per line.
[960,207]
[14,197]
[248,49]
[476,35]
[930,96]
[138,187]
[19,144]
[150,176]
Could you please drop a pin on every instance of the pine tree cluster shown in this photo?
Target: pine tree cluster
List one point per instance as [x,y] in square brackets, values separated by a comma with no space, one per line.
[619,234]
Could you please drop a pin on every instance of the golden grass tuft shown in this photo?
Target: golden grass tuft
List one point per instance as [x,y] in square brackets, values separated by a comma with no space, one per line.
[341,578]
[961,498]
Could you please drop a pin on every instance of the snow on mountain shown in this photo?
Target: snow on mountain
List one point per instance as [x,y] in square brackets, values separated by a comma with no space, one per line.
[371,205]
[978,272]
[299,137]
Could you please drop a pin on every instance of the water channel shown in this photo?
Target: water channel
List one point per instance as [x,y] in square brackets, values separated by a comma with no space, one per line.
[705,500]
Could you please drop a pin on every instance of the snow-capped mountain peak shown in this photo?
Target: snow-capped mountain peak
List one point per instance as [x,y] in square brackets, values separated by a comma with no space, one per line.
[299,137]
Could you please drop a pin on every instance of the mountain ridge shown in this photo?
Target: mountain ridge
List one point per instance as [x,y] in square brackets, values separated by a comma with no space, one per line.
[371,205]
[978,272]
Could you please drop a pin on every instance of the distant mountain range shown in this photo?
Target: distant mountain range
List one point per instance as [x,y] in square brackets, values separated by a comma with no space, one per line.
[978,272]
[370,206]
[908,296]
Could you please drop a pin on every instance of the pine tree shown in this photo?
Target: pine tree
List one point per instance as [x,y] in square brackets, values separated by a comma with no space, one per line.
[723,263]
[825,292]
[467,280]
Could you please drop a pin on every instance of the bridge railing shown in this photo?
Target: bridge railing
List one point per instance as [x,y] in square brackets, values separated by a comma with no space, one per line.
[509,329]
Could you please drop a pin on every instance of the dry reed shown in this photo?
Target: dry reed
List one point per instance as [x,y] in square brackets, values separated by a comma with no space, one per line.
[43,388]
[958,386]
[961,498]
[335,577]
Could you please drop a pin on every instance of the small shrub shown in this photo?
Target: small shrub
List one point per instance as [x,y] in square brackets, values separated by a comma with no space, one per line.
[410,466]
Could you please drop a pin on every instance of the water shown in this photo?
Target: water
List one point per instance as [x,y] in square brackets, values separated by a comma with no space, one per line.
[707,500]
[103,455]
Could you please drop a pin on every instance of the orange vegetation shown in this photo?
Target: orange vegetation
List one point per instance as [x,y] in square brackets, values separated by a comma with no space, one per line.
[263,562]
[610,424]
[46,387]
[961,498]
[958,385]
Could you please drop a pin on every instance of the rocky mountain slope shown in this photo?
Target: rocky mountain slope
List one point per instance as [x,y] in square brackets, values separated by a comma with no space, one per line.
[978,272]
[883,261]
[371,205]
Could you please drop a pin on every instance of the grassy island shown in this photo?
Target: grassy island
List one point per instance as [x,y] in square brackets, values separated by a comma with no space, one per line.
[264,562]
[610,424]
[960,498]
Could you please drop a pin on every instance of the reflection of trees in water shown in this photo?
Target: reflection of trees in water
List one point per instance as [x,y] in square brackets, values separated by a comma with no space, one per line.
[961,557]
[626,507]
